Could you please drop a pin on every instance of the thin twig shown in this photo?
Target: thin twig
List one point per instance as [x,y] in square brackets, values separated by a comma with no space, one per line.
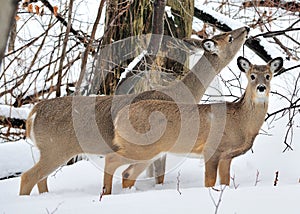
[217,203]
[178,183]
[55,210]
[64,48]
[276,178]
[257,178]
[102,193]
[88,48]
[233,182]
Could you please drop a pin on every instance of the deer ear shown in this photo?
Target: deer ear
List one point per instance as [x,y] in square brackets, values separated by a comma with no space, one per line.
[243,64]
[194,42]
[210,46]
[276,64]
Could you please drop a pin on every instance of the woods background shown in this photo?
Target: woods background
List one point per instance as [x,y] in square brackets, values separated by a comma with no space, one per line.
[55,49]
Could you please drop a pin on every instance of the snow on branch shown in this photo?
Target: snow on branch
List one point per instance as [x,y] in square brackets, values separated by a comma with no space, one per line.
[11,112]
[132,65]
[224,23]
[221,21]
[11,117]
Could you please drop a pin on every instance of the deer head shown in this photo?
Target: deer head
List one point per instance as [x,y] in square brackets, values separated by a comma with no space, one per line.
[221,48]
[259,77]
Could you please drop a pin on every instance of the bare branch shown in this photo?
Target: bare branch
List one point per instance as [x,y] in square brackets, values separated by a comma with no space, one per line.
[63,54]
[88,48]
[81,38]
[217,203]
[233,182]
[291,6]
[287,69]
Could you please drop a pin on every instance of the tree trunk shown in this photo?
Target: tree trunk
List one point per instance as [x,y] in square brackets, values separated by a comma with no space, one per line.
[7,13]
[124,20]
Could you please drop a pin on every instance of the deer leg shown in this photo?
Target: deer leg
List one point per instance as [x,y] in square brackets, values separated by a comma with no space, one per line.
[224,171]
[112,162]
[131,173]
[160,169]
[42,185]
[157,169]
[30,178]
[39,172]
[211,167]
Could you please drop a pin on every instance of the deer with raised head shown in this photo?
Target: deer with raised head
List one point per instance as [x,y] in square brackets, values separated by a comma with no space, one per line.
[220,132]
[64,127]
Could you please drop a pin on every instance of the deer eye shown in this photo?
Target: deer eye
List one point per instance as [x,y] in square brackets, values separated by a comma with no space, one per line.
[252,76]
[230,39]
[268,77]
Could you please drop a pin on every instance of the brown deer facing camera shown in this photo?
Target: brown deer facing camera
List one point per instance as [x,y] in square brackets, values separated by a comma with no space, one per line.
[64,127]
[225,130]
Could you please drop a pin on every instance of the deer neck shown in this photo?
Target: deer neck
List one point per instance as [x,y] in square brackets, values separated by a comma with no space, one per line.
[252,113]
[200,76]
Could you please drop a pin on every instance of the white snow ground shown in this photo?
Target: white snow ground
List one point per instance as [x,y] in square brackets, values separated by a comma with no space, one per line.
[76,188]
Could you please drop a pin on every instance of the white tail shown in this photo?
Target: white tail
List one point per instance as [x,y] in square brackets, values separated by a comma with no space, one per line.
[225,130]
[64,127]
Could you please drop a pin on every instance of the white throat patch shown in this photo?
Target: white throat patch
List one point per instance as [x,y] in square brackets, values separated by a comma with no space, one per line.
[261,98]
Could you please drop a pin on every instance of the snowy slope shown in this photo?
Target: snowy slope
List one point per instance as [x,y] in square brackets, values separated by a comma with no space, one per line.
[76,188]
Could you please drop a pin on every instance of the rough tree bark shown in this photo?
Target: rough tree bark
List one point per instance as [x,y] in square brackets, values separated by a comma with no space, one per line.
[132,18]
[7,12]
[123,19]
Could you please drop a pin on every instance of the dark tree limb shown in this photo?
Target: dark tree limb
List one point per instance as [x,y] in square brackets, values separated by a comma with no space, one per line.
[33,98]
[256,47]
[13,175]
[12,122]
[206,17]
[282,111]
[12,37]
[276,33]
[157,26]
[287,69]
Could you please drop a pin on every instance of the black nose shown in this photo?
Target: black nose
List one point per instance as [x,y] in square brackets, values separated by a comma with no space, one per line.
[247,29]
[261,88]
